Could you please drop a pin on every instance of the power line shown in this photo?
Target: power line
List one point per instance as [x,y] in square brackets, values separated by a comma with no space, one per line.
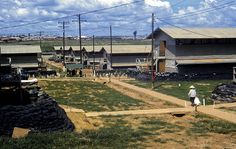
[103,9]
[186,29]
[214,6]
[198,11]
[83,13]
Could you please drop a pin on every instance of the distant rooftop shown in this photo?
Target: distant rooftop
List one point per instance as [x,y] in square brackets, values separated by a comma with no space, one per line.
[19,49]
[119,49]
[197,33]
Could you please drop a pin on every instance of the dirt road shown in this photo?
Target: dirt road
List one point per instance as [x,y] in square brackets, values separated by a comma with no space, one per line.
[209,110]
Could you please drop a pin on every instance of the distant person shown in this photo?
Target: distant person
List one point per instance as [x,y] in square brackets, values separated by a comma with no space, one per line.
[192,94]
[80,73]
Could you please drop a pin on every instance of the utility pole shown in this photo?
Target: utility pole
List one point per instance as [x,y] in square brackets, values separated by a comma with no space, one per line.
[153,77]
[111,44]
[80,38]
[93,57]
[63,42]
[80,41]
[40,39]
[63,39]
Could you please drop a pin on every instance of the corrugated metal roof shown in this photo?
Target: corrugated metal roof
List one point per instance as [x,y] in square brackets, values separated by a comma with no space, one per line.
[198,33]
[73,66]
[25,65]
[123,64]
[205,61]
[19,49]
[116,48]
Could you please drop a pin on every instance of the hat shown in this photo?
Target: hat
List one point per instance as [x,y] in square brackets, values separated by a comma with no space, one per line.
[191,86]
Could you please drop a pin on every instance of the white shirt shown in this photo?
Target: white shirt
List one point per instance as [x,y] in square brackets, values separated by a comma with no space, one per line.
[192,93]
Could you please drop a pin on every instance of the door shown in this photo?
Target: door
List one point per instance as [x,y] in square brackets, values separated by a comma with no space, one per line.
[162,48]
[162,65]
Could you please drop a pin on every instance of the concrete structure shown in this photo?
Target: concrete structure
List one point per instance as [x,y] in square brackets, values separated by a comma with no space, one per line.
[190,50]
[26,57]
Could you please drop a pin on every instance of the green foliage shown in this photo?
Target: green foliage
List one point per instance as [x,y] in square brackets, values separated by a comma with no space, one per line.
[90,96]
[47,48]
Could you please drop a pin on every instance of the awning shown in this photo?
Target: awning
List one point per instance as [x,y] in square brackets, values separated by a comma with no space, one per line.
[205,61]
[73,66]
[25,65]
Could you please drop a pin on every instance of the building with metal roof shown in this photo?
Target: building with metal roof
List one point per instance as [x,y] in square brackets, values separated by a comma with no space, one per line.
[121,57]
[197,33]
[21,56]
[190,50]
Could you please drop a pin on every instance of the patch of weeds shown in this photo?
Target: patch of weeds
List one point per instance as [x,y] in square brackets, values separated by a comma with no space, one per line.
[206,125]
[154,124]
[161,140]
[117,136]
[89,96]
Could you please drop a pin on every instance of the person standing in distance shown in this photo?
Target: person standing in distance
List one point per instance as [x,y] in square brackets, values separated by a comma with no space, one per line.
[192,94]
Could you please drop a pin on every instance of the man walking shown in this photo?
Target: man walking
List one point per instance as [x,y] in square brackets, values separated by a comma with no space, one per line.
[192,94]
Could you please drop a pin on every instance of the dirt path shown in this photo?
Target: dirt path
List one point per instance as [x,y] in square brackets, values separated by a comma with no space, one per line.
[155,96]
[209,110]
[142,112]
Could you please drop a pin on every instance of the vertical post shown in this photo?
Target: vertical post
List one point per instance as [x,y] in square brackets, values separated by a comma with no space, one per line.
[80,41]
[40,39]
[63,27]
[93,57]
[111,44]
[152,51]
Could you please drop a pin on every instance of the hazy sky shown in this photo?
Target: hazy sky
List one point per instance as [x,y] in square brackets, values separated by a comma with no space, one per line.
[125,20]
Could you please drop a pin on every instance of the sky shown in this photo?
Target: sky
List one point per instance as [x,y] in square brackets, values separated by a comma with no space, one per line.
[47,15]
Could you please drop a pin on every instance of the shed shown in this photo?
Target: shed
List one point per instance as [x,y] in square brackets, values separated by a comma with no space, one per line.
[27,57]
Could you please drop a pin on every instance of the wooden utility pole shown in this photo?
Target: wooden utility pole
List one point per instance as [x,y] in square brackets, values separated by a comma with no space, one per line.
[40,39]
[64,43]
[93,57]
[63,39]
[80,40]
[153,77]
[111,44]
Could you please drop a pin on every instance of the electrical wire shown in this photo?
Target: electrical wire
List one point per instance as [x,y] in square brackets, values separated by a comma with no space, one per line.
[187,29]
[202,11]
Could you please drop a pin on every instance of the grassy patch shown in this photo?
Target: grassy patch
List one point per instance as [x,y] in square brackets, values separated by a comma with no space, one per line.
[90,96]
[180,89]
[154,124]
[206,125]
[117,135]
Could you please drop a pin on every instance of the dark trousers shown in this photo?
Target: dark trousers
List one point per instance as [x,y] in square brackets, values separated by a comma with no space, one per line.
[192,99]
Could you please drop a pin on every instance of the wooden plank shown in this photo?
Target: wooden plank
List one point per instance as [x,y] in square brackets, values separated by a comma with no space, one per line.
[141,112]
[20,132]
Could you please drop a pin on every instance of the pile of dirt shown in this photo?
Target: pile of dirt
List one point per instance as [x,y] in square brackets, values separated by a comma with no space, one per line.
[42,115]
[225,93]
